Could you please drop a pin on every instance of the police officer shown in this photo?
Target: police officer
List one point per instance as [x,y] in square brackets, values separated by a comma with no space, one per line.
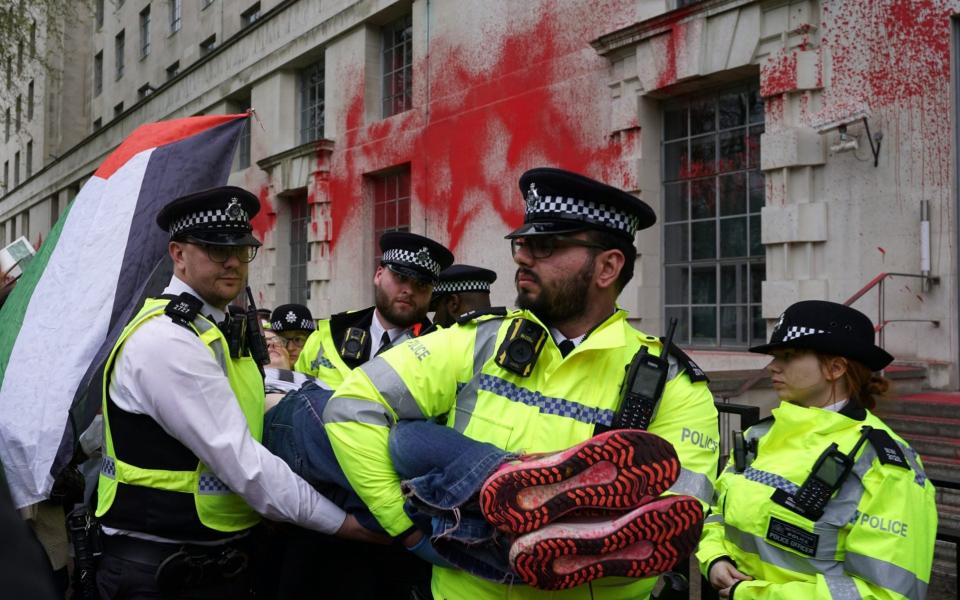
[293,323]
[461,289]
[822,499]
[402,286]
[574,254]
[184,478]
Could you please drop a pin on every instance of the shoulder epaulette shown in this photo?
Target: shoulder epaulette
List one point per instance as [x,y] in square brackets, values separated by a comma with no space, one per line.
[692,369]
[183,309]
[888,450]
[498,311]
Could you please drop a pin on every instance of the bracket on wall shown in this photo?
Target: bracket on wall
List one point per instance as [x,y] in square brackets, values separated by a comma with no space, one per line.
[874,140]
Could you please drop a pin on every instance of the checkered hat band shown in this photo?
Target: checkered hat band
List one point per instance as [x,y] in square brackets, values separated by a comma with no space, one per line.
[408,257]
[584,210]
[794,332]
[453,287]
[304,325]
[211,219]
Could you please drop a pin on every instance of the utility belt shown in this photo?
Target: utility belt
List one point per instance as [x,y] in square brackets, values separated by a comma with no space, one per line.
[183,566]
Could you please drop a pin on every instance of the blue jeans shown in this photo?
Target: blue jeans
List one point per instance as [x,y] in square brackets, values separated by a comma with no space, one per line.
[442,472]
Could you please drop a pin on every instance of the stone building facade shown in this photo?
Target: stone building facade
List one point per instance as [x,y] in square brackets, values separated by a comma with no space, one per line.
[742,122]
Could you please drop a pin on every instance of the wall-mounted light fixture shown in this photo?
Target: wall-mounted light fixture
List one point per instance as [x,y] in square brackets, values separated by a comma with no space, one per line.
[846,142]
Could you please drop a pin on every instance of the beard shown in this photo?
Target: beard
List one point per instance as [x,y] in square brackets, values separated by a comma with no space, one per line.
[405,316]
[558,302]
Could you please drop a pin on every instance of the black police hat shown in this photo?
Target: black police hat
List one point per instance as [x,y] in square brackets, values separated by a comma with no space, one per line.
[218,216]
[463,278]
[292,317]
[413,255]
[559,201]
[828,328]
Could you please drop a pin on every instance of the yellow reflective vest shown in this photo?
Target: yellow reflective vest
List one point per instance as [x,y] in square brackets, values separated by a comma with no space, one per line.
[189,502]
[452,373]
[320,357]
[875,538]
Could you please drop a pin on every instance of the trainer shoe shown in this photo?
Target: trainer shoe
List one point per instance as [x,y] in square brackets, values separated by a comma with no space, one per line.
[616,470]
[647,541]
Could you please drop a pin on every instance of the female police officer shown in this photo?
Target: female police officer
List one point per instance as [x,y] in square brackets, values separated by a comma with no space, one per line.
[822,499]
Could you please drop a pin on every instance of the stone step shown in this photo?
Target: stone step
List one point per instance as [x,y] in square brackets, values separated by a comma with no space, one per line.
[906,425]
[943,580]
[907,378]
[931,445]
[923,404]
[949,500]
[938,467]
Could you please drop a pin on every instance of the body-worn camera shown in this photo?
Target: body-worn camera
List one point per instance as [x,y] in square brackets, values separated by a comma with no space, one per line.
[354,341]
[520,348]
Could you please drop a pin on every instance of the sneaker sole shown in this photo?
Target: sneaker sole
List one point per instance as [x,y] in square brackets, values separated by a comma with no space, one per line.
[637,466]
[648,541]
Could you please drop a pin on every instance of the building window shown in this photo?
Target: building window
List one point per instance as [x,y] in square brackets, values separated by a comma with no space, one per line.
[16,169]
[118,46]
[243,145]
[99,13]
[30,101]
[144,90]
[117,110]
[208,45]
[397,42]
[54,209]
[299,249]
[311,102]
[145,32]
[25,224]
[98,73]
[6,175]
[174,16]
[713,191]
[173,70]
[19,114]
[20,57]
[97,123]
[250,16]
[29,158]
[391,205]
[6,127]
[33,39]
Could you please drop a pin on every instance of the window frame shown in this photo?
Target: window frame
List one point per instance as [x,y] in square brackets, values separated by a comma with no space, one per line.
[176,15]
[300,219]
[396,36]
[119,48]
[312,106]
[98,74]
[145,32]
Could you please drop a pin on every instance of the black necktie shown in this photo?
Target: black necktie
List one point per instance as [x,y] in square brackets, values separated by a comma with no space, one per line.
[384,343]
[566,347]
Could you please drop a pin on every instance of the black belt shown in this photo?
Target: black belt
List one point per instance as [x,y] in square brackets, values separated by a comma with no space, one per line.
[152,553]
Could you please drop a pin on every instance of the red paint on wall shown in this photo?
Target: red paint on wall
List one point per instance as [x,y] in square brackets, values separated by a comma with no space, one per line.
[779,74]
[266,218]
[475,129]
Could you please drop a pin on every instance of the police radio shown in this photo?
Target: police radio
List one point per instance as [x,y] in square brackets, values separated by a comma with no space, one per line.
[643,386]
[256,340]
[354,341]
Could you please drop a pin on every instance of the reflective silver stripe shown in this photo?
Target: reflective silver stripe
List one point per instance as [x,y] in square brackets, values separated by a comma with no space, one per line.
[484,341]
[779,557]
[210,485]
[693,484]
[842,588]
[714,518]
[673,367]
[920,476]
[203,325]
[560,407]
[353,410]
[108,468]
[758,431]
[394,391]
[771,480]
[886,575]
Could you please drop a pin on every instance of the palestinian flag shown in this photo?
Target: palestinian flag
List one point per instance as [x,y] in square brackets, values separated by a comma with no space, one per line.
[102,257]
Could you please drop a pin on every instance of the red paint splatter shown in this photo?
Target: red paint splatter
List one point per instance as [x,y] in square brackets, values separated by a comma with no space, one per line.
[779,74]
[266,218]
[465,146]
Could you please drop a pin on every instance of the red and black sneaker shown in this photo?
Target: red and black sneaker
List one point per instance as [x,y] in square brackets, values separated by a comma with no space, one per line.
[647,541]
[616,470]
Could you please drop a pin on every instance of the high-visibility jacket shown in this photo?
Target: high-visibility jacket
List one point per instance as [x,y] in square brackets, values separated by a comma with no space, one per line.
[320,357]
[875,538]
[453,373]
[176,496]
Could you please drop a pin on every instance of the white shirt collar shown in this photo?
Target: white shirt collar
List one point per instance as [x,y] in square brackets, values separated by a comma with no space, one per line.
[377,329]
[836,406]
[559,337]
[177,287]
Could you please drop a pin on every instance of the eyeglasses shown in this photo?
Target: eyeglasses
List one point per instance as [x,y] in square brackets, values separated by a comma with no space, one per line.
[275,341]
[543,246]
[295,340]
[221,254]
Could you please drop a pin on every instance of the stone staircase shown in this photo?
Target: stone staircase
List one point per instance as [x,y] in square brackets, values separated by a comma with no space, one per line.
[930,422]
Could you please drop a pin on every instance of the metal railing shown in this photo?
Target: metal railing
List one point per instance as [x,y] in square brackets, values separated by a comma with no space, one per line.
[877,282]
[952,537]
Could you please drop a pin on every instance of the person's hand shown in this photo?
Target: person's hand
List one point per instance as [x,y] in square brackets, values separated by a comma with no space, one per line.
[723,575]
[353,530]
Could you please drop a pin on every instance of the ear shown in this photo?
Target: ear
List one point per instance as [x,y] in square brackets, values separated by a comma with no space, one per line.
[453,304]
[835,368]
[176,251]
[609,263]
[377,275]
